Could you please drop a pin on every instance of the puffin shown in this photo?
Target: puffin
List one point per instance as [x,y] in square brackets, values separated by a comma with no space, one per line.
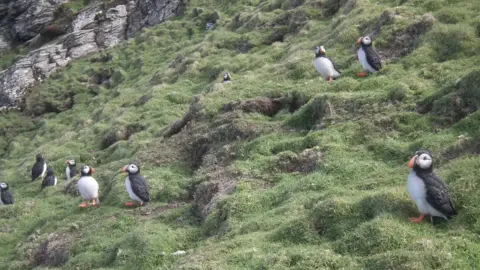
[226,77]
[50,179]
[427,190]
[324,65]
[88,187]
[71,169]
[5,196]
[136,186]
[368,56]
[39,168]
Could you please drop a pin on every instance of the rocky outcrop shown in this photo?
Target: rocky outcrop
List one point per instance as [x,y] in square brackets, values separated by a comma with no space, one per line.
[93,29]
[21,20]
[111,27]
[151,12]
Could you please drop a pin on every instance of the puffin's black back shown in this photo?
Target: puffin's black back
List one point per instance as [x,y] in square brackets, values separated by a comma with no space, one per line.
[49,179]
[37,168]
[73,170]
[373,58]
[6,196]
[139,185]
[436,190]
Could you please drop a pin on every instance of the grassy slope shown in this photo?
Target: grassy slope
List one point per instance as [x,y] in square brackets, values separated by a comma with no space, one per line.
[351,212]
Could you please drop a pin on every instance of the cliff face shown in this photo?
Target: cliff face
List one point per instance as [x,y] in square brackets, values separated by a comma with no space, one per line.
[92,29]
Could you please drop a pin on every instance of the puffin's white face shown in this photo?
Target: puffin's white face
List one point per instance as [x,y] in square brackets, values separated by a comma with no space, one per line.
[225,76]
[3,185]
[366,40]
[132,168]
[71,162]
[424,161]
[319,49]
[85,169]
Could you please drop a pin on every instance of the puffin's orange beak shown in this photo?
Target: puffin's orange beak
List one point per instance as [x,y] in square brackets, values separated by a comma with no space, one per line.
[124,169]
[92,170]
[359,40]
[67,161]
[412,162]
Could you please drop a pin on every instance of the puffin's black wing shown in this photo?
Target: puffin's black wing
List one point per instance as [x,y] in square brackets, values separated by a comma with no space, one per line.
[48,181]
[335,66]
[373,58]
[37,170]
[437,194]
[7,197]
[140,187]
[73,171]
[45,182]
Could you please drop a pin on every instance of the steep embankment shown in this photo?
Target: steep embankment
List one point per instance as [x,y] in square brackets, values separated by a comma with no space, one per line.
[277,169]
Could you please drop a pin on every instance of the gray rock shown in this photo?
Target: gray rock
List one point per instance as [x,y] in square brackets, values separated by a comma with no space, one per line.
[111,27]
[36,15]
[80,43]
[91,31]
[5,39]
[84,18]
[151,12]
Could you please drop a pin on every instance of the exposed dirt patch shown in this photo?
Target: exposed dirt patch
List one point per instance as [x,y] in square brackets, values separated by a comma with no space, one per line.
[406,41]
[465,145]
[267,105]
[54,251]
[208,194]
[454,102]
[143,100]
[305,162]
[71,188]
[333,6]
[193,112]
[101,77]
[120,133]
[149,213]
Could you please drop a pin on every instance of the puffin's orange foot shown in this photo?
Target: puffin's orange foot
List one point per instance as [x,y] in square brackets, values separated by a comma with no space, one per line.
[140,203]
[129,204]
[417,220]
[84,204]
[330,79]
[362,74]
[94,202]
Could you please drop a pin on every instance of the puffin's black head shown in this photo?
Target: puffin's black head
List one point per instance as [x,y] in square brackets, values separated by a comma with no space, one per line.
[320,51]
[226,76]
[3,186]
[422,160]
[131,169]
[71,163]
[39,158]
[49,171]
[364,41]
[87,171]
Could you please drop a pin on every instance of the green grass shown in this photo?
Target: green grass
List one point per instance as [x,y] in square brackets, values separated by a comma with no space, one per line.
[350,212]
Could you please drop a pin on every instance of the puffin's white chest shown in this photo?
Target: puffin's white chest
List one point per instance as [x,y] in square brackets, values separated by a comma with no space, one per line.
[325,67]
[67,173]
[88,187]
[128,186]
[1,202]
[362,57]
[418,193]
[44,169]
